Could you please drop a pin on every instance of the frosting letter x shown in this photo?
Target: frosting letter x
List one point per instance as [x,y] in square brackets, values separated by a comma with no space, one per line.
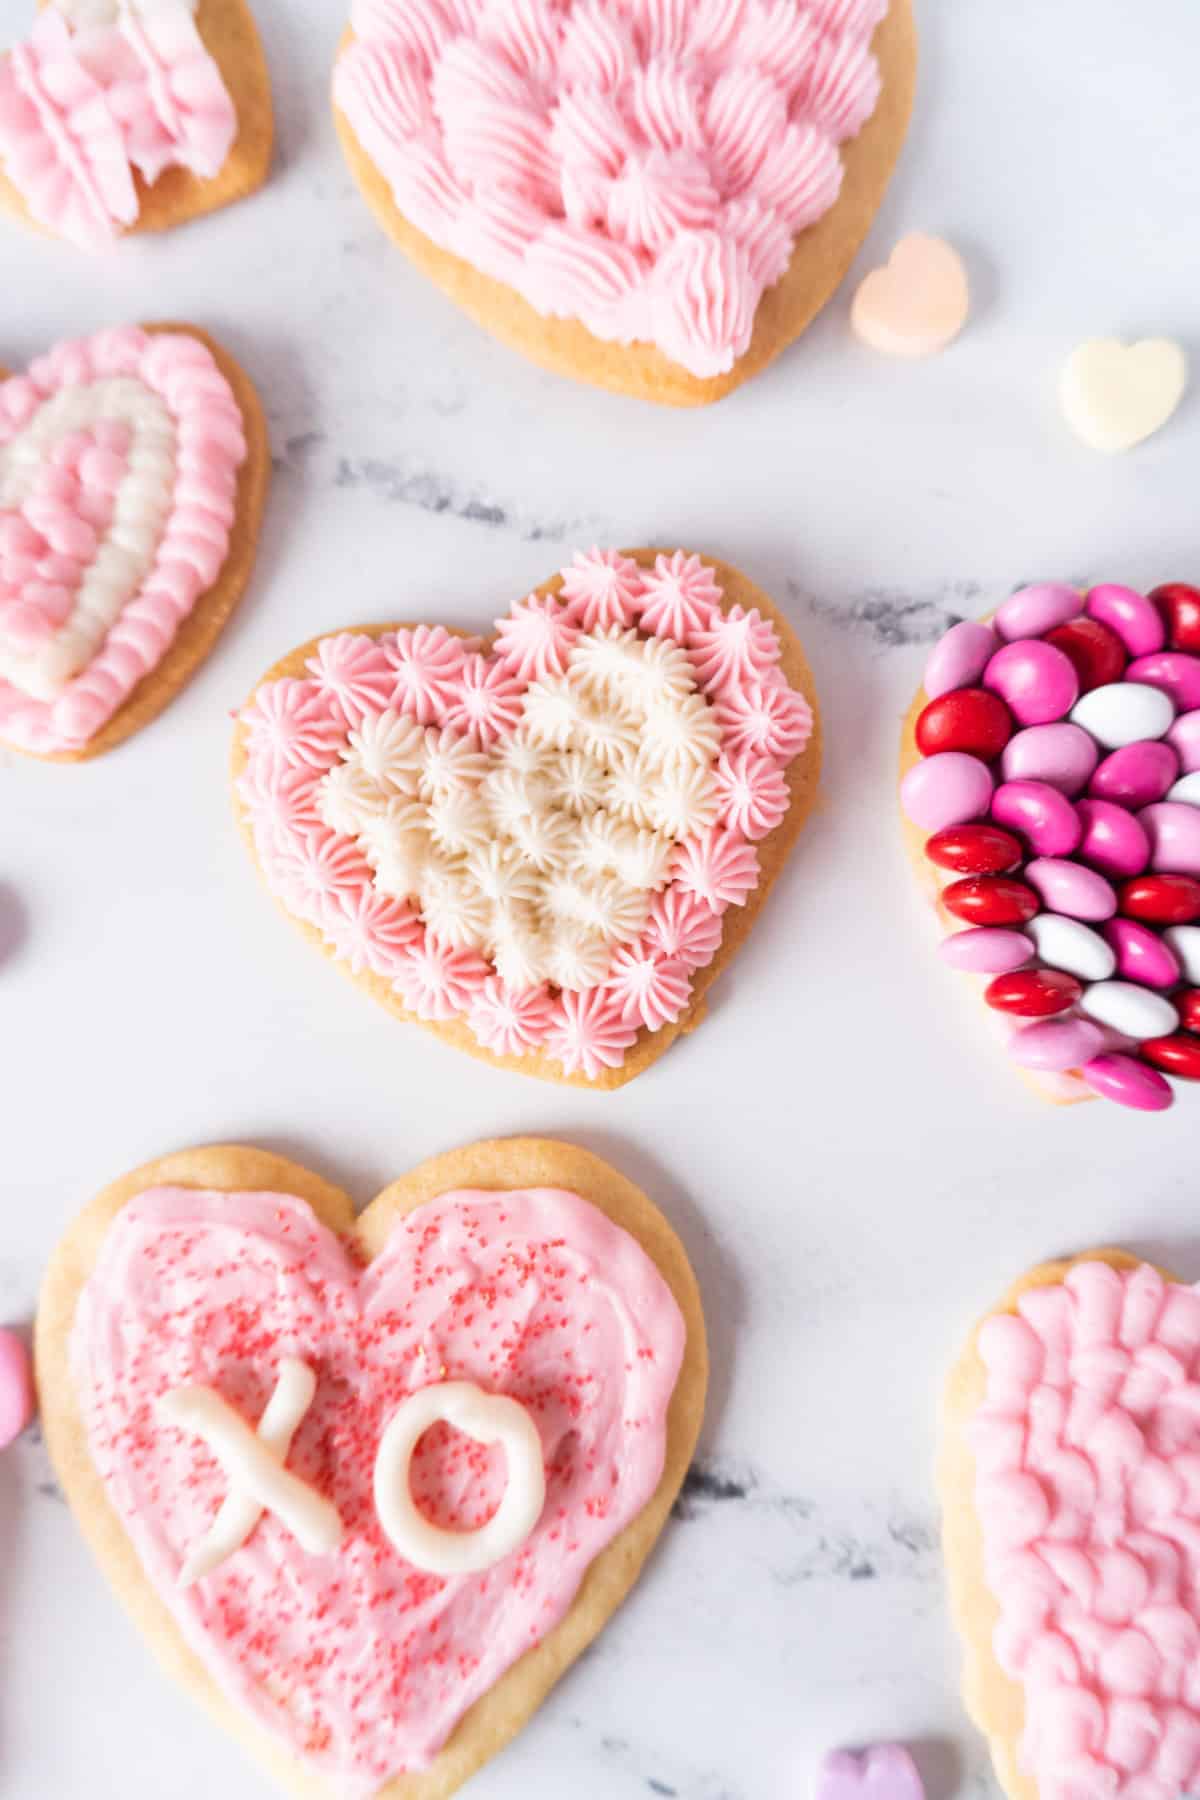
[253,1461]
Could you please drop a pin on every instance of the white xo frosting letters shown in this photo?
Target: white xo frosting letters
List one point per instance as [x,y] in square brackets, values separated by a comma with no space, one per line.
[254,1462]
[490,1419]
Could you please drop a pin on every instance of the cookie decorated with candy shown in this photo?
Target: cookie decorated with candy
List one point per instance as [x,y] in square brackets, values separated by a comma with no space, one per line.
[369,1486]
[1071,1530]
[656,196]
[1051,793]
[132,115]
[544,846]
[133,475]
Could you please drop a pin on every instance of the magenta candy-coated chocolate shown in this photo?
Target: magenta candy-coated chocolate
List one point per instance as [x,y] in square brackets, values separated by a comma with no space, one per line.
[1068,887]
[1141,954]
[986,950]
[1032,610]
[1112,841]
[1044,817]
[16,1386]
[1128,1082]
[959,658]
[949,789]
[887,1772]
[1135,619]
[1062,755]
[1184,737]
[1056,1044]
[1173,828]
[1174,672]
[1136,775]
[1037,682]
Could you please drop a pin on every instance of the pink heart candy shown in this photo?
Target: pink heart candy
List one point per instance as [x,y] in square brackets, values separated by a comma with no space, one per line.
[886,1772]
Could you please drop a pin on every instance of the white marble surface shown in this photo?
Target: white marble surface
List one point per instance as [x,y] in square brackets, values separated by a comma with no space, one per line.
[853,1168]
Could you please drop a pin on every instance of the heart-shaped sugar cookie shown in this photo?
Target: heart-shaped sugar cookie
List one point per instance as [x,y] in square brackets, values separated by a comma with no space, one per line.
[133,475]
[1071,1528]
[1114,395]
[229,1452]
[657,197]
[132,115]
[547,847]
[917,303]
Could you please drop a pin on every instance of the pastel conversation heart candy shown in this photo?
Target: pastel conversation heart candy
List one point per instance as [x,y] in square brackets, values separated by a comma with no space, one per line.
[917,303]
[656,198]
[370,1485]
[886,1772]
[133,475]
[1114,394]
[544,848]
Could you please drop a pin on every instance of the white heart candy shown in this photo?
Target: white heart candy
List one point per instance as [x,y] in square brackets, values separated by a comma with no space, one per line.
[1114,395]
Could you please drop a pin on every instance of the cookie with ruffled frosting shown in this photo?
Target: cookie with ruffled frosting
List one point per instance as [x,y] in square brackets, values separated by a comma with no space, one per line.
[655,198]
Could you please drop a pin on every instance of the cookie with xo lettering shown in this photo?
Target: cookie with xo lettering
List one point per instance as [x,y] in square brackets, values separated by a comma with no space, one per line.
[544,846]
[368,1486]
[1050,793]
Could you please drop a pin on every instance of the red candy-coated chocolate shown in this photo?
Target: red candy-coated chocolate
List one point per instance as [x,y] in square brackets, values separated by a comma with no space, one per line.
[974,849]
[1187,1004]
[1096,651]
[1175,1055]
[1161,899]
[1179,607]
[969,719]
[991,900]
[1033,993]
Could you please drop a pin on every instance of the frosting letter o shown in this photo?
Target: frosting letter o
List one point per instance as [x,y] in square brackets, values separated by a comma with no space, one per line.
[490,1419]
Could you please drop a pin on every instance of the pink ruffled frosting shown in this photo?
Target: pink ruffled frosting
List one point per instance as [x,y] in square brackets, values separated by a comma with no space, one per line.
[49,542]
[82,107]
[294,732]
[1087,1450]
[643,169]
[356,1662]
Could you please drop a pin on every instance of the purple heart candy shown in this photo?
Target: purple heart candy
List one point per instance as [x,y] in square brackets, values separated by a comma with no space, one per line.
[887,1772]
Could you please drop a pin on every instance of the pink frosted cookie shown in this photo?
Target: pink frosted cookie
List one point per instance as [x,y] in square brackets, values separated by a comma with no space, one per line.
[1051,801]
[369,1486]
[133,473]
[656,197]
[132,115]
[1068,1477]
[544,847]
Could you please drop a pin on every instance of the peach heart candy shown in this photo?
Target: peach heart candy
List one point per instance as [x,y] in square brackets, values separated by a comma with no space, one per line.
[655,198]
[132,115]
[368,1486]
[133,475]
[917,303]
[1067,1479]
[1098,688]
[544,847]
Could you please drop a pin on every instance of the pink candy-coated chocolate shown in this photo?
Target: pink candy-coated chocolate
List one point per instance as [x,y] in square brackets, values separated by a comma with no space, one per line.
[1038,682]
[1043,816]
[959,658]
[1184,736]
[1128,1082]
[1067,887]
[1037,609]
[986,950]
[1113,840]
[1174,672]
[1141,954]
[948,789]
[1135,619]
[1136,775]
[1062,755]
[16,1386]
[1173,828]
[1056,1044]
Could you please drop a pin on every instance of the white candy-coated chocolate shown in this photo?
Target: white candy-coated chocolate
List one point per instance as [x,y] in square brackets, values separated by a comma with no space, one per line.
[1184,940]
[254,1463]
[1072,946]
[1124,712]
[1187,789]
[490,1419]
[1133,1011]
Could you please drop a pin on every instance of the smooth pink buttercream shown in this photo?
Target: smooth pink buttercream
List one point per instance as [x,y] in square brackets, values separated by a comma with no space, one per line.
[356,1662]
[1087,1452]
[643,169]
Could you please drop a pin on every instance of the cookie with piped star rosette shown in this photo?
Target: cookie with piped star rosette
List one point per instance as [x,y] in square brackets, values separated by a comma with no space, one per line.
[545,846]
[1050,786]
